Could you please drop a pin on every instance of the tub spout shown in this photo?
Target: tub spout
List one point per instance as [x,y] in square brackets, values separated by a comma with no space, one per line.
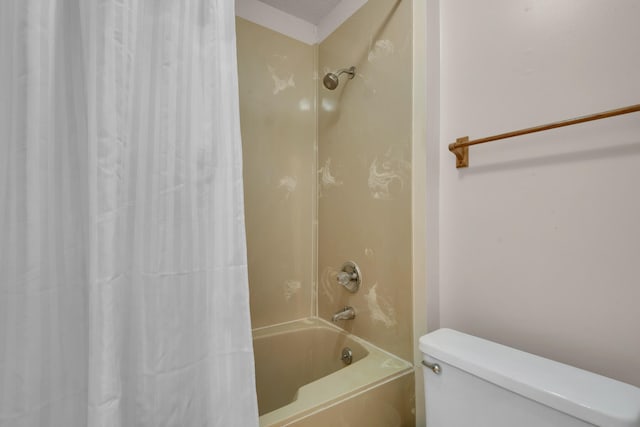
[346,313]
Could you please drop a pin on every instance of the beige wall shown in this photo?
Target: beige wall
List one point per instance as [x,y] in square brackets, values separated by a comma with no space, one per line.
[539,238]
[278,119]
[364,160]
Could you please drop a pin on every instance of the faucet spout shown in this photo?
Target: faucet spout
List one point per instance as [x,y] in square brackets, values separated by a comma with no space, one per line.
[346,313]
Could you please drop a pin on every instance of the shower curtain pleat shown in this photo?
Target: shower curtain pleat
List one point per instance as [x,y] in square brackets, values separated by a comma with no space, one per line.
[123,275]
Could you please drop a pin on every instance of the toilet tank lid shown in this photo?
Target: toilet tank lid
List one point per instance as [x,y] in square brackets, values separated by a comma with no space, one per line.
[587,396]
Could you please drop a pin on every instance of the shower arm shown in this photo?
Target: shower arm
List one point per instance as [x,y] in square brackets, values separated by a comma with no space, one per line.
[351,71]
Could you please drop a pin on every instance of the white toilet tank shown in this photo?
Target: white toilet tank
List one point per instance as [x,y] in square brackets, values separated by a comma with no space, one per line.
[484,384]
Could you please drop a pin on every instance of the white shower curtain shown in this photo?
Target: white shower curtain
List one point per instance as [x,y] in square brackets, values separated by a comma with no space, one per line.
[123,277]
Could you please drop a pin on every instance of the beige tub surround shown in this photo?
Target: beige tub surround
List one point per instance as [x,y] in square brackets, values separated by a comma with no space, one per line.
[299,366]
[328,178]
[358,180]
[364,180]
[278,118]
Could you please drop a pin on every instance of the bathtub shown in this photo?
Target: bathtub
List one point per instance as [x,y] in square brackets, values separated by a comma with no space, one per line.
[299,369]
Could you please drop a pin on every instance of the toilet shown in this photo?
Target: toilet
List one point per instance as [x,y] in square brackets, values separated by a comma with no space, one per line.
[470,381]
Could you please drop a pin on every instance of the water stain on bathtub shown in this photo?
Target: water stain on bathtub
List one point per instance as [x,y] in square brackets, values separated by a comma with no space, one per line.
[291,287]
[328,283]
[368,251]
[387,176]
[288,184]
[280,84]
[380,308]
[392,363]
[327,180]
[381,49]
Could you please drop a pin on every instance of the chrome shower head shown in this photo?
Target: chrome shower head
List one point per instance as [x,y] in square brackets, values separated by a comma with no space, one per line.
[331,80]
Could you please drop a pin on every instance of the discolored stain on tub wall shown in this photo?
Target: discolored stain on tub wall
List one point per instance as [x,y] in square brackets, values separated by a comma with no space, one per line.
[381,49]
[380,309]
[364,150]
[288,184]
[280,84]
[388,175]
[327,178]
[291,288]
[278,119]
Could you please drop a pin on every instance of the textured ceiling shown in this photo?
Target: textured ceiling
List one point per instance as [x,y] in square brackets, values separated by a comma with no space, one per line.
[309,10]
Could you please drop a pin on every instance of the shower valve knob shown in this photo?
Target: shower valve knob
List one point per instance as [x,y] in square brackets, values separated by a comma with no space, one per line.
[350,276]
